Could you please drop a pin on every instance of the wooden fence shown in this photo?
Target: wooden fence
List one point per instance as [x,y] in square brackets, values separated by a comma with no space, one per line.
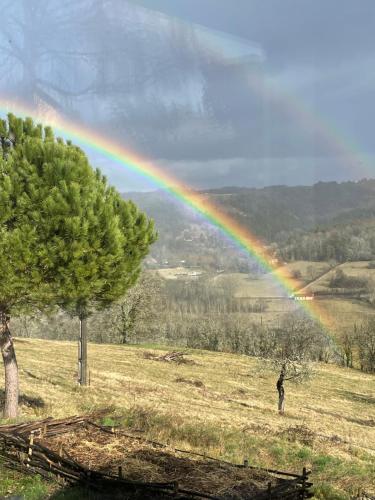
[21,450]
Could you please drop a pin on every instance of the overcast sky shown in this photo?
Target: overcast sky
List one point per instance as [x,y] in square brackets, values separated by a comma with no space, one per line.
[321,55]
[229,92]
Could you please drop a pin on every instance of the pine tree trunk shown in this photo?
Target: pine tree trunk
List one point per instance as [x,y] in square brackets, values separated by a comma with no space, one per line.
[11,368]
[82,358]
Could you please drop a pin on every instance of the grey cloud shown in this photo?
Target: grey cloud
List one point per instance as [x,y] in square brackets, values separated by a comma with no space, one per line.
[291,31]
[212,109]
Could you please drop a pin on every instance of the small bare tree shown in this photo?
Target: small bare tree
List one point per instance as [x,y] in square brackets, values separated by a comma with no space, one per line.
[347,345]
[294,370]
[141,304]
[294,344]
[365,336]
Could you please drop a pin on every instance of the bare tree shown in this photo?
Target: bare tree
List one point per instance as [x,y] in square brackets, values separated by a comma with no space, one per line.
[141,304]
[366,345]
[299,337]
[291,370]
[293,345]
[347,344]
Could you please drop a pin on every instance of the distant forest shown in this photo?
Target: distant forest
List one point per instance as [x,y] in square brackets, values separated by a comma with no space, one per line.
[324,222]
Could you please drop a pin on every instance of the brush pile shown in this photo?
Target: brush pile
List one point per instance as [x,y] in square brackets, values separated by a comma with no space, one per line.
[113,462]
[51,427]
[169,357]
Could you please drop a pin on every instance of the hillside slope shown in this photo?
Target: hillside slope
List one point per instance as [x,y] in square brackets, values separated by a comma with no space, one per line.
[222,404]
[271,213]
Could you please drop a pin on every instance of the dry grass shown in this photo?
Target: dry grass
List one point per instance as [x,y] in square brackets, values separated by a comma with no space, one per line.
[329,423]
[266,285]
[346,313]
[245,286]
[174,273]
[142,461]
[359,268]
[308,270]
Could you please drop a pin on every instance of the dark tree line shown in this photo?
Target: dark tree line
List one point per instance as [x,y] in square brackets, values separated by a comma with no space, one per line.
[341,244]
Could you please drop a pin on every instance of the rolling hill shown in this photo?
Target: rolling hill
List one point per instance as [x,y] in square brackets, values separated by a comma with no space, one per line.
[273,214]
[221,404]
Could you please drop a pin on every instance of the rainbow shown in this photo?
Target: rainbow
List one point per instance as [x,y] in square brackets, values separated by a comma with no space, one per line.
[241,236]
[326,132]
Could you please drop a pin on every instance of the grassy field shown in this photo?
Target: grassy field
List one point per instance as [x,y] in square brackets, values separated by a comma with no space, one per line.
[264,285]
[223,404]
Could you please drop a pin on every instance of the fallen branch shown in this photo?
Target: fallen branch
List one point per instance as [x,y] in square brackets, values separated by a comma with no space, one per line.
[169,357]
[52,427]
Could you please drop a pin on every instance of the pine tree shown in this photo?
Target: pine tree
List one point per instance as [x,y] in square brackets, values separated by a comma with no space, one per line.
[66,237]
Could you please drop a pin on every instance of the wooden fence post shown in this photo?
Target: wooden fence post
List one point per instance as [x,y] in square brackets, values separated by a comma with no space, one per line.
[30,452]
[304,477]
[175,488]
[269,490]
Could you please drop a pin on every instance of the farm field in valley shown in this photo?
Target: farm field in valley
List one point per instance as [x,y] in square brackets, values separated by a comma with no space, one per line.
[246,288]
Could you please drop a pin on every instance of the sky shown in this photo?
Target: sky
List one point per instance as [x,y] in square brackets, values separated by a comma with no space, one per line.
[216,92]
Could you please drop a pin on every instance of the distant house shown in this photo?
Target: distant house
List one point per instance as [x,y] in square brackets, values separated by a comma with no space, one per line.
[195,274]
[302,296]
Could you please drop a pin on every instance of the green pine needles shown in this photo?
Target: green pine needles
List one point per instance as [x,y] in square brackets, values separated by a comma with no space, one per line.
[66,237]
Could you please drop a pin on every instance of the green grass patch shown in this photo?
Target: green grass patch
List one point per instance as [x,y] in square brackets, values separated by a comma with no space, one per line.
[322,462]
[277,451]
[324,491]
[25,486]
[304,453]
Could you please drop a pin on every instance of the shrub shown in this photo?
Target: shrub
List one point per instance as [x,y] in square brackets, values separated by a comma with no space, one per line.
[342,280]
